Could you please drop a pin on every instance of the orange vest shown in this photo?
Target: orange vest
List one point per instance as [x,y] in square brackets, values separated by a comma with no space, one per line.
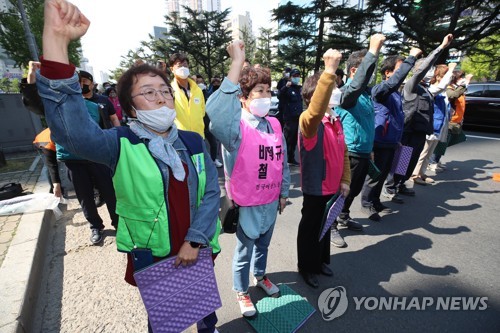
[42,140]
[458,117]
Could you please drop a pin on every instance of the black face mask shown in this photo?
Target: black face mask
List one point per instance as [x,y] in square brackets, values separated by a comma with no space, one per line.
[85,89]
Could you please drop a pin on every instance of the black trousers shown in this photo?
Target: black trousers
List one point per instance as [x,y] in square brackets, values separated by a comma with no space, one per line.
[416,140]
[312,253]
[291,132]
[359,170]
[86,175]
[372,188]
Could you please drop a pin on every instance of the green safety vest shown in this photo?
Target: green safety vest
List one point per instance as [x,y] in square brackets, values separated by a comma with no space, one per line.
[140,196]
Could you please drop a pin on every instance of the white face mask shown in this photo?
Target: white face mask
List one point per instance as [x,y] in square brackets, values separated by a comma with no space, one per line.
[159,120]
[202,86]
[182,72]
[335,98]
[260,106]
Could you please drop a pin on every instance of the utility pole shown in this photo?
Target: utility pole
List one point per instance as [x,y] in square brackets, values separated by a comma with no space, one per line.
[27,32]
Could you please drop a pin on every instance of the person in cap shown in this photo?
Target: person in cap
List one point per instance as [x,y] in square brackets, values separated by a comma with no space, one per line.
[106,108]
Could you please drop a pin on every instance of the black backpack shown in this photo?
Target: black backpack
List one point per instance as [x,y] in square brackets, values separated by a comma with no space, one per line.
[10,190]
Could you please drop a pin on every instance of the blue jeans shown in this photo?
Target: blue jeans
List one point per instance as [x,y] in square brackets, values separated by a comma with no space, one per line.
[248,251]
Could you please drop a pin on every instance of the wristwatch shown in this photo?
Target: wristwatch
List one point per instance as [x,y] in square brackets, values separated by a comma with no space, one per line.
[195,245]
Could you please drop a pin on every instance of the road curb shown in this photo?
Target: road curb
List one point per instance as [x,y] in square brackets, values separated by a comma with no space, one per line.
[20,273]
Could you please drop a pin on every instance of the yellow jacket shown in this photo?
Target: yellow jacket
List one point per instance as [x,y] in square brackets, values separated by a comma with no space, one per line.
[189,113]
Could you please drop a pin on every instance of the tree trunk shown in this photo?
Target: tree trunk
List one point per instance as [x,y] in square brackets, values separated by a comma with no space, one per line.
[319,51]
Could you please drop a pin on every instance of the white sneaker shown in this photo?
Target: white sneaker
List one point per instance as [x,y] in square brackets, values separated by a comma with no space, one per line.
[218,163]
[246,306]
[435,167]
[266,284]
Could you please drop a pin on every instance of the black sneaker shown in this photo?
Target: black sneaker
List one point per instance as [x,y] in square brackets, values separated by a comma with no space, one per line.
[372,213]
[379,207]
[349,223]
[96,236]
[293,162]
[391,196]
[336,239]
[406,191]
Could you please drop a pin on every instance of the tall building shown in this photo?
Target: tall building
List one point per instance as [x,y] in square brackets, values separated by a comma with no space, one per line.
[237,23]
[211,5]
[196,5]
[7,65]
[159,32]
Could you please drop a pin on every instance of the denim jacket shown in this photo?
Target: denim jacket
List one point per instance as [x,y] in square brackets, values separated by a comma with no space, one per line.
[72,127]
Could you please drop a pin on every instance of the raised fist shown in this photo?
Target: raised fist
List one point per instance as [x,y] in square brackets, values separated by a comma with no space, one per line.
[416,52]
[236,50]
[332,59]
[446,41]
[376,42]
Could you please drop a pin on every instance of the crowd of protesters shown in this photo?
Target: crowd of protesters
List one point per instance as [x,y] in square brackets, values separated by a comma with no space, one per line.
[148,135]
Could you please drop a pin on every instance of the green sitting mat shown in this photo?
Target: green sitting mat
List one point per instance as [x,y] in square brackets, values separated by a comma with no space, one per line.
[284,314]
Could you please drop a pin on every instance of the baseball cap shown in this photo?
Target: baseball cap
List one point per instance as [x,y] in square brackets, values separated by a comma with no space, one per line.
[86,75]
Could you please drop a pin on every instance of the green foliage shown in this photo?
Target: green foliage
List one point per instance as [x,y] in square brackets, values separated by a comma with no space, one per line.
[9,86]
[306,32]
[250,43]
[424,23]
[266,50]
[202,36]
[13,38]
[483,61]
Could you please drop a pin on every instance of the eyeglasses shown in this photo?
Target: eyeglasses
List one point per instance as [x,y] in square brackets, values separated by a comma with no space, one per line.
[150,94]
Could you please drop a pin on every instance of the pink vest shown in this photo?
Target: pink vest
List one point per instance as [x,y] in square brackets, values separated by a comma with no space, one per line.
[258,169]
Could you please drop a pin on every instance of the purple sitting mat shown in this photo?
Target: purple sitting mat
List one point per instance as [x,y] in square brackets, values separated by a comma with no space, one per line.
[333,212]
[401,160]
[176,298]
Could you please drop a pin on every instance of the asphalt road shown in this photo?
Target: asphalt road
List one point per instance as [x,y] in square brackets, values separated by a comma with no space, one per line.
[441,243]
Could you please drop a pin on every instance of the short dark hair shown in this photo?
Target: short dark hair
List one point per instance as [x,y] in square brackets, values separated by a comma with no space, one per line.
[389,63]
[251,76]
[129,78]
[177,57]
[309,87]
[355,60]
[457,75]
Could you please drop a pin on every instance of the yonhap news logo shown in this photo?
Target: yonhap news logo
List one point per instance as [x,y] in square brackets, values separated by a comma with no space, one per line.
[333,303]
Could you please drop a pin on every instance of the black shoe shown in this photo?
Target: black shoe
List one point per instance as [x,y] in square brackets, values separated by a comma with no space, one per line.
[96,236]
[372,213]
[293,162]
[379,207]
[349,223]
[406,191]
[310,278]
[325,270]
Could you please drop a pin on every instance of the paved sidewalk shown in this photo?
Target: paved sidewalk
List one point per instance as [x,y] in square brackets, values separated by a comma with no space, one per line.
[28,179]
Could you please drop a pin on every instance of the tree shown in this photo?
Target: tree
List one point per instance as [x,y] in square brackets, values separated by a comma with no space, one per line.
[327,25]
[426,22]
[201,35]
[265,48]
[13,37]
[249,40]
[296,37]
[484,60]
